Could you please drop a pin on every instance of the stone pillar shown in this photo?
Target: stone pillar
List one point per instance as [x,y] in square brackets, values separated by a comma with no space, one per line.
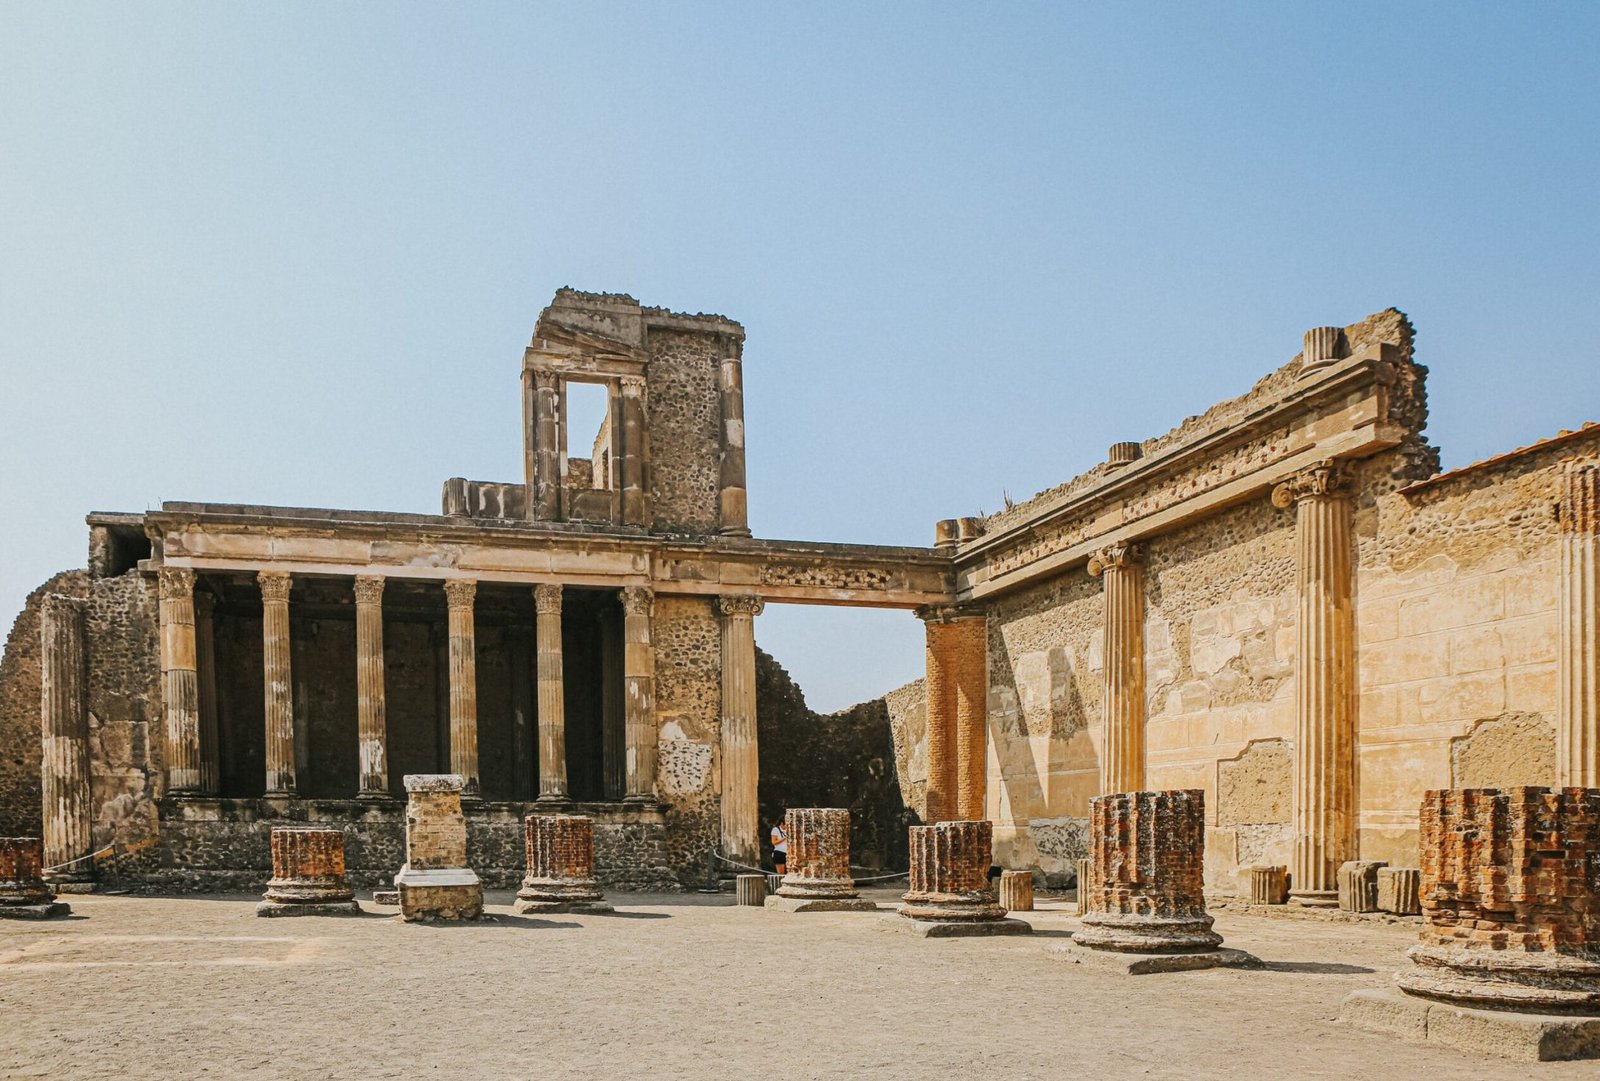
[741,765]
[1578,659]
[436,883]
[1083,886]
[552,694]
[1325,713]
[751,890]
[639,692]
[1146,891]
[950,878]
[371,723]
[542,391]
[1122,752]
[275,655]
[942,662]
[459,595]
[308,876]
[1016,891]
[205,652]
[818,877]
[1510,899]
[24,894]
[180,685]
[560,855]
[64,730]
[972,716]
[731,502]
[634,425]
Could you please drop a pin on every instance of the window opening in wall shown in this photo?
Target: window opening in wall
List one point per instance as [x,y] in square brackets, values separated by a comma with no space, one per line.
[588,435]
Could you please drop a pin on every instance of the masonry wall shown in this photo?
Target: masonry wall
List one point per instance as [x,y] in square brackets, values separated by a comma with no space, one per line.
[685,447]
[20,688]
[688,642]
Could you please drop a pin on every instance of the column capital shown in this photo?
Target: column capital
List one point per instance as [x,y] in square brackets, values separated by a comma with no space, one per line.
[1320,481]
[274,585]
[631,384]
[460,592]
[1115,556]
[369,588]
[545,379]
[949,613]
[638,600]
[1579,508]
[740,604]
[176,583]
[547,599]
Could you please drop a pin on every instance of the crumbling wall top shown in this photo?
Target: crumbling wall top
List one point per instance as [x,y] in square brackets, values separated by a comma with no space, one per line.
[620,318]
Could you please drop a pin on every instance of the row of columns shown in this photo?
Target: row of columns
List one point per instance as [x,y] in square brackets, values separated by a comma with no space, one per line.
[191,751]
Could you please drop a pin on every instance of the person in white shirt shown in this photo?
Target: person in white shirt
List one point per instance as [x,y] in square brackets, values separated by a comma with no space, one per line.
[780,849]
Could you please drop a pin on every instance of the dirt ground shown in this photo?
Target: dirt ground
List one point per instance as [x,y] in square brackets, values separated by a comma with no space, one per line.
[674,987]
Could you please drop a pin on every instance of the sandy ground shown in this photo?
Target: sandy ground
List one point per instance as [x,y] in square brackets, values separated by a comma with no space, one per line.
[674,987]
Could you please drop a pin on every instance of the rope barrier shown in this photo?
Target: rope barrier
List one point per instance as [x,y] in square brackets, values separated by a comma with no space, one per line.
[91,856]
[764,871]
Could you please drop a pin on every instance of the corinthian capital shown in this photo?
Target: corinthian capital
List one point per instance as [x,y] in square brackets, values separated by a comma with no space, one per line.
[638,600]
[631,384]
[176,583]
[460,592]
[274,585]
[740,604]
[1115,555]
[369,588]
[1317,482]
[547,599]
[544,379]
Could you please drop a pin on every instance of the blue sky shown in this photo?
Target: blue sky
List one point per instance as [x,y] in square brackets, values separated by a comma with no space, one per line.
[291,253]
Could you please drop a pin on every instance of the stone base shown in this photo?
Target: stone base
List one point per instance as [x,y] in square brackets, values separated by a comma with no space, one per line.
[87,885]
[1529,1037]
[535,908]
[1144,964]
[1315,898]
[455,894]
[386,897]
[49,910]
[1504,979]
[821,904]
[329,908]
[957,928]
[1148,934]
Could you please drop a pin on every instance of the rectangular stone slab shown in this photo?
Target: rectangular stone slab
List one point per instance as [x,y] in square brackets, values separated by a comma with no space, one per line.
[1526,1037]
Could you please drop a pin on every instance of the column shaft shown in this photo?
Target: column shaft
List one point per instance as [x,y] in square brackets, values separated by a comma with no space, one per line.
[972,715]
[613,719]
[544,494]
[180,686]
[639,692]
[64,727]
[630,475]
[459,596]
[941,680]
[1578,660]
[732,509]
[1325,746]
[741,764]
[372,731]
[552,693]
[205,642]
[1122,752]
[275,659]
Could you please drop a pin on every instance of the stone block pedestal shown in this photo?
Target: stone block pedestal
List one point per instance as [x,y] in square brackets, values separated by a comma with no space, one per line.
[24,894]
[436,883]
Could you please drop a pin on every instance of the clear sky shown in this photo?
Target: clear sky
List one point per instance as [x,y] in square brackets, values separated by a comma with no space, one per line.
[291,253]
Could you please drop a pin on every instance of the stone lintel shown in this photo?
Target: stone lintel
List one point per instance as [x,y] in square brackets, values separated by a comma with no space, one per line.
[1527,1037]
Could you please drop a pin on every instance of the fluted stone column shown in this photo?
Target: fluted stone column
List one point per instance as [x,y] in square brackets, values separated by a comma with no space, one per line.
[542,397]
[741,766]
[24,893]
[308,876]
[552,694]
[180,687]
[560,859]
[818,876]
[459,594]
[942,659]
[1578,662]
[1121,566]
[275,654]
[371,716]
[972,715]
[639,692]
[733,512]
[1325,714]
[64,728]
[950,893]
[205,653]
[635,426]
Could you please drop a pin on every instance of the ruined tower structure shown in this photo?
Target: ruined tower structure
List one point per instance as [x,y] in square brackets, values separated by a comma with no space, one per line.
[1281,604]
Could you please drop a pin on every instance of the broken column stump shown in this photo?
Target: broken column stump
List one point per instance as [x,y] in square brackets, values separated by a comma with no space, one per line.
[436,883]
[308,876]
[818,877]
[560,854]
[1083,887]
[1357,881]
[24,894]
[750,890]
[1146,891]
[950,895]
[1016,891]
[1509,957]
[1265,884]
[1400,890]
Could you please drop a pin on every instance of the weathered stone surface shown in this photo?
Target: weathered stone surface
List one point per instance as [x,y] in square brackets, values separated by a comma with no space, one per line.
[1358,885]
[1510,899]
[1264,885]
[819,854]
[1016,891]
[1400,890]
[24,894]
[560,853]
[1146,891]
[308,876]
[435,882]
[1146,964]
[950,874]
[1527,1037]
[750,890]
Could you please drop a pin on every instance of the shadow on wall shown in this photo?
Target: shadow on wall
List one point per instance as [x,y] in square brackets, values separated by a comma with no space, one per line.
[843,759]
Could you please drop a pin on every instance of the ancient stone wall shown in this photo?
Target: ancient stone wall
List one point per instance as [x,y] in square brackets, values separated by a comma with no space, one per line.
[688,642]
[908,728]
[125,742]
[20,813]
[684,444]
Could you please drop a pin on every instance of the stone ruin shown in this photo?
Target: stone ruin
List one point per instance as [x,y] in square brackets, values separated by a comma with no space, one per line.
[560,853]
[436,883]
[24,894]
[308,877]
[950,894]
[818,877]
